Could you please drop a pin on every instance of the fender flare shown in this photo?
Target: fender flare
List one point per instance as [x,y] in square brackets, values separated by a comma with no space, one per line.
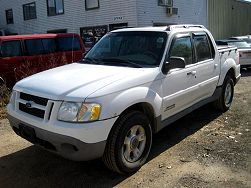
[227,65]
[130,97]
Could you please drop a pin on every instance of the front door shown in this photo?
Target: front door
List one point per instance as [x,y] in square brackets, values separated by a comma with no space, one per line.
[179,84]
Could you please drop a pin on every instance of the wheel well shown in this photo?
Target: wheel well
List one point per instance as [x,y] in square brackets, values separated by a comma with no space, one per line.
[145,108]
[231,73]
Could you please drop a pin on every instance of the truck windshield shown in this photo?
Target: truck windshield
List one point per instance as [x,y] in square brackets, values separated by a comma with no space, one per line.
[135,49]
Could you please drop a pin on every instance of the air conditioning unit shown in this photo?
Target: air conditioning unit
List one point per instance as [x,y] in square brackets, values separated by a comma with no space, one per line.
[171,11]
[165,3]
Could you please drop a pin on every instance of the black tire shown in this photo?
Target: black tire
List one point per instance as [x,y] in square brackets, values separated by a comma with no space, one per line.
[222,103]
[114,156]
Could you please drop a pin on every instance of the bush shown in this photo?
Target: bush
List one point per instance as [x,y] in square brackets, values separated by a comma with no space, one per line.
[4,99]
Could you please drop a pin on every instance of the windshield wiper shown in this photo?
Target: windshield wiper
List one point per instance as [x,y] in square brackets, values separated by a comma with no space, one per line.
[89,60]
[120,61]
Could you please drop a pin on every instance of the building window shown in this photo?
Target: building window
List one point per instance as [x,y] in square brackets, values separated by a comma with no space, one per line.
[29,11]
[55,7]
[91,4]
[165,3]
[9,16]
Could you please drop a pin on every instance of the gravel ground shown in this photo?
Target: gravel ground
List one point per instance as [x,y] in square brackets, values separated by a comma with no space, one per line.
[203,149]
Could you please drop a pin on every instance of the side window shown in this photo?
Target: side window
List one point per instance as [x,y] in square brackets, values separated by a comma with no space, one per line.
[34,47]
[202,47]
[182,47]
[68,44]
[11,49]
[49,45]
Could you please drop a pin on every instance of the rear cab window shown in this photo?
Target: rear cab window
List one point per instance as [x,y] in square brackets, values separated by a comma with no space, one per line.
[11,48]
[203,48]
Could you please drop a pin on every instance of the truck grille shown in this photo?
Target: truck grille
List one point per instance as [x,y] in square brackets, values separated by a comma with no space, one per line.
[35,106]
[38,100]
[32,111]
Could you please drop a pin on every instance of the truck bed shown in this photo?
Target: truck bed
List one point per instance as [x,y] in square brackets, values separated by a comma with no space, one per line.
[225,48]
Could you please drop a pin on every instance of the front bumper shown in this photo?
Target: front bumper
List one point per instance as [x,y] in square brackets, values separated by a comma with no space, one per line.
[66,146]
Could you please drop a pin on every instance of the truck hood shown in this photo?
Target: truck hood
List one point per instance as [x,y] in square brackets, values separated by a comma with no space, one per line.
[62,83]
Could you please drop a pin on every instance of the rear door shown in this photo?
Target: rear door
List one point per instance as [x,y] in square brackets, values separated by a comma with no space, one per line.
[11,58]
[206,68]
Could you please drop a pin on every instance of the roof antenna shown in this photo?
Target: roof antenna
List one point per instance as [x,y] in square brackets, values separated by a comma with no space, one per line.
[72,41]
[72,48]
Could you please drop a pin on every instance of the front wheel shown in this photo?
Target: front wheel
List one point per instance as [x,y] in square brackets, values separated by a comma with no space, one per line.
[224,102]
[129,143]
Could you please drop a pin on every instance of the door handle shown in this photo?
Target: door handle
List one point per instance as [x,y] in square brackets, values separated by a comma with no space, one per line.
[192,73]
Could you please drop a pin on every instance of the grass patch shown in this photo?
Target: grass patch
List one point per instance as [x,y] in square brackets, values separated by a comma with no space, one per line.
[4,99]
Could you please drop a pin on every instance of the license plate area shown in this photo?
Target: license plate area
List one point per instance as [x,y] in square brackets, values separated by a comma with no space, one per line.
[27,133]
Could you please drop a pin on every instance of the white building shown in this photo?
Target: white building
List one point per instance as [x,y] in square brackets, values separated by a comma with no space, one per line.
[100,16]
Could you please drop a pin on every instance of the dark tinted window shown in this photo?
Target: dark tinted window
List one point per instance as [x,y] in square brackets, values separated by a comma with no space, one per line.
[29,11]
[11,49]
[68,44]
[49,45]
[202,47]
[34,47]
[182,47]
[9,16]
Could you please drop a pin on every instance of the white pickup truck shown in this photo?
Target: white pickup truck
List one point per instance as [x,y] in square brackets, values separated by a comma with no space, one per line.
[131,84]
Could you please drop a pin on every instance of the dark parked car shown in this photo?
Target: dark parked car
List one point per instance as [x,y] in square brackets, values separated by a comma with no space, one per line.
[24,55]
[246,38]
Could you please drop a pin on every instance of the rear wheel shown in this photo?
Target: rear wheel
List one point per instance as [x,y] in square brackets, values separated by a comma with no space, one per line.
[129,143]
[224,102]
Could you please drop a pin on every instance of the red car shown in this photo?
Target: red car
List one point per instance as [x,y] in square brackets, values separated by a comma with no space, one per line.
[24,55]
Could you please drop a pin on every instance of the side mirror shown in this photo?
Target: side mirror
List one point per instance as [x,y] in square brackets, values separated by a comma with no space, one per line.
[174,62]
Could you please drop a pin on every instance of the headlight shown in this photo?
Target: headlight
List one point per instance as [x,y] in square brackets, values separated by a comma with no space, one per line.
[79,112]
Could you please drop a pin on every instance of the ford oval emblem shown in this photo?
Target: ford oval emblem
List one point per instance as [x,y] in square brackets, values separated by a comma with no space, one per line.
[28,105]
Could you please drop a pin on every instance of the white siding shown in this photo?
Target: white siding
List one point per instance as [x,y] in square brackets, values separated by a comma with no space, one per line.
[189,12]
[74,17]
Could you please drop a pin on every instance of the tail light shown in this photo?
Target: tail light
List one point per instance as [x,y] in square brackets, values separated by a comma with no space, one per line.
[238,57]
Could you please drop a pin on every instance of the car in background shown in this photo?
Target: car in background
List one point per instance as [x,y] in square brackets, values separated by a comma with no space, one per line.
[246,38]
[24,55]
[243,48]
